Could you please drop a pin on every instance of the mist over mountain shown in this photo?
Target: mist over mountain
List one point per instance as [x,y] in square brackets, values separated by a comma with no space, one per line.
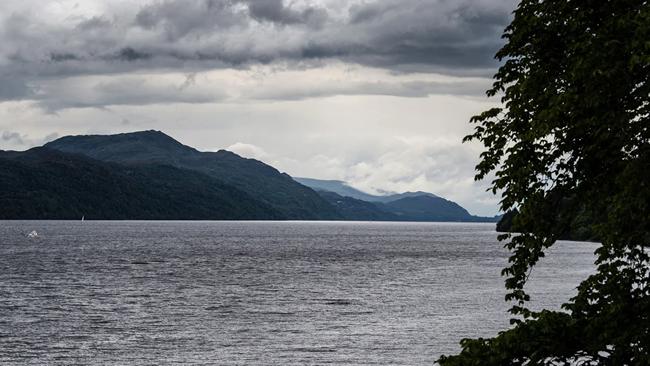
[408,206]
[336,186]
[345,190]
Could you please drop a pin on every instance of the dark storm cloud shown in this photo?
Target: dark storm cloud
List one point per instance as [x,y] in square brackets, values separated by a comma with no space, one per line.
[129,54]
[178,19]
[390,33]
[428,35]
[277,12]
[456,37]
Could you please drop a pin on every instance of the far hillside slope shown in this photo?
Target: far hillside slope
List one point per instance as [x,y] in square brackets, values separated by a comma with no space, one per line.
[344,189]
[408,206]
[336,186]
[263,182]
[43,183]
[426,208]
[358,210]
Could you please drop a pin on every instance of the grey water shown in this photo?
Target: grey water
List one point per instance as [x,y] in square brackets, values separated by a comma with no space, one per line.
[258,293]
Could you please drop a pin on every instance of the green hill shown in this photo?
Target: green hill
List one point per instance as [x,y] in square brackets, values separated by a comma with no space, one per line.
[47,184]
[262,182]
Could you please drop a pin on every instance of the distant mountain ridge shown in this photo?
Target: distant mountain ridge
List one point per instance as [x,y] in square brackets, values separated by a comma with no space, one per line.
[408,206]
[149,175]
[336,186]
[342,188]
[428,208]
[263,182]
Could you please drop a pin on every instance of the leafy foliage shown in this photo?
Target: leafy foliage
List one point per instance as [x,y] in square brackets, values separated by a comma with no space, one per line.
[579,229]
[573,140]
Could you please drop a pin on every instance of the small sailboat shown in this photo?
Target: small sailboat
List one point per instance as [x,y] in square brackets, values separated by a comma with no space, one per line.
[82,218]
[33,234]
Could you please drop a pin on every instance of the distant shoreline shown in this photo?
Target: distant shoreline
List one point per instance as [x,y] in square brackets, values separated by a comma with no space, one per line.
[262,221]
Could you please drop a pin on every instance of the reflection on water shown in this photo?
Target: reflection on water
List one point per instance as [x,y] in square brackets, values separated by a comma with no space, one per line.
[257,293]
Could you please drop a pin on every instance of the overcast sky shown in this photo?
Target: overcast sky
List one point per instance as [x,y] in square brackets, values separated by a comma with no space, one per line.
[374,92]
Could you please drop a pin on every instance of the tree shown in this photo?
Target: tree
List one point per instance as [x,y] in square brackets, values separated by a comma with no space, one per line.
[572,139]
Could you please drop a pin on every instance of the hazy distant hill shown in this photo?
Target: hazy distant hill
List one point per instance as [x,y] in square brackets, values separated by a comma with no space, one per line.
[260,181]
[358,210]
[343,189]
[47,184]
[427,208]
[399,196]
[409,206]
[336,186]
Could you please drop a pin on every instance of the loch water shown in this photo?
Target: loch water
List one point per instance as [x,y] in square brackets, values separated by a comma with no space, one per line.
[258,293]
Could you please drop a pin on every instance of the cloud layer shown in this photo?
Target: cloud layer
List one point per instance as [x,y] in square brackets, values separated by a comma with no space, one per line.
[61,40]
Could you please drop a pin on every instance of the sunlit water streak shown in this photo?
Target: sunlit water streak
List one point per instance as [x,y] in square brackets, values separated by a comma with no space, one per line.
[258,293]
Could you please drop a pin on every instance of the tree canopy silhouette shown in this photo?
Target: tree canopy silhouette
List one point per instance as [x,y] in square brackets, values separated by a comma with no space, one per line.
[572,140]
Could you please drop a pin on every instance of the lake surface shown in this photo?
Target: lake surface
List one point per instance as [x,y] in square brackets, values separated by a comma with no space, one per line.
[258,293]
